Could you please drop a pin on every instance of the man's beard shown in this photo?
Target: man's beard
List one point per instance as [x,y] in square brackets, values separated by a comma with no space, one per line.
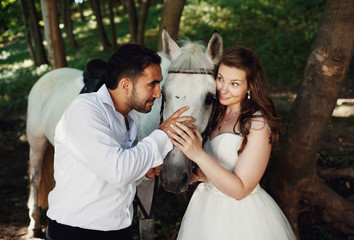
[139,105]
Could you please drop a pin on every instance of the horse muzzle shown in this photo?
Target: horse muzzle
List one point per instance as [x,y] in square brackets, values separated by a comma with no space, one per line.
[176,172]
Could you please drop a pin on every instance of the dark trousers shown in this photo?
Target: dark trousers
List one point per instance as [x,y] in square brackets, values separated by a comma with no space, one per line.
[57,231]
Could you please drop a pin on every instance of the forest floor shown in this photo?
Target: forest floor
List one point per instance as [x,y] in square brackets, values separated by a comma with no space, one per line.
[337,150]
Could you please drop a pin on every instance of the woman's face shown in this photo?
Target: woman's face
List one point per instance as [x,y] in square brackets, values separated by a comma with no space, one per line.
[231,85]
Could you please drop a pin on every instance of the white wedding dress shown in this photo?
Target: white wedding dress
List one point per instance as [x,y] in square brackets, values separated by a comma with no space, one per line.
[212,215]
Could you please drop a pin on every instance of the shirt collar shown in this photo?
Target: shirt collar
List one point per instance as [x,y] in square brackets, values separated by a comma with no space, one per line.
[105,96]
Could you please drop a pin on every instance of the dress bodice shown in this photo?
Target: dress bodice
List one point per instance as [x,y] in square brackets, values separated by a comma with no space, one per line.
[224,149]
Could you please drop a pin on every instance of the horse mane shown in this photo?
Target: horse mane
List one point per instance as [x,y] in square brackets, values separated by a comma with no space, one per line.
[192,57]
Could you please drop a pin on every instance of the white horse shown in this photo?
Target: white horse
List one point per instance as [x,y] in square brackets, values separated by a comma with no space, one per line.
[190,82]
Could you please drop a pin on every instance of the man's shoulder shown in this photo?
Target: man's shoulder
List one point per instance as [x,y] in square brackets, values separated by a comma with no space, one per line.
[87,100]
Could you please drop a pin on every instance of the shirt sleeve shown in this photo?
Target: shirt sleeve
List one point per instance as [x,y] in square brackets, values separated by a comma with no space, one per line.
[85,132]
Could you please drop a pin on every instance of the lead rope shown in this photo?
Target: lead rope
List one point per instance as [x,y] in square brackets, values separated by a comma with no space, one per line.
[141,206]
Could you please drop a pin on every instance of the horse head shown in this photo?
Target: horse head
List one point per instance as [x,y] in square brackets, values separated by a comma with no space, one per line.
[190,81]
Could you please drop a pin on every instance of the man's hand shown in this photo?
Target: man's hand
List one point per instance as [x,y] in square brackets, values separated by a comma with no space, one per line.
[153,172]
[197,175]
[174,118]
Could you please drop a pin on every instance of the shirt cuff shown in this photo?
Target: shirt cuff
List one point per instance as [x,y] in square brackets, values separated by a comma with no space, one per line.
[164,144]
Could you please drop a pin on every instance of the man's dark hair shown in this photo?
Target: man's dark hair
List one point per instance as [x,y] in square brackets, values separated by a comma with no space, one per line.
[129,61]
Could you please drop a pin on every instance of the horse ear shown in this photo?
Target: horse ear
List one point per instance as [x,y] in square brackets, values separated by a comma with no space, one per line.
[215,48]
[170,47]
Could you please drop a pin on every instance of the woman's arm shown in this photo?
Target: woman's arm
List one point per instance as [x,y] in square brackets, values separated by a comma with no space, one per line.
[248,170]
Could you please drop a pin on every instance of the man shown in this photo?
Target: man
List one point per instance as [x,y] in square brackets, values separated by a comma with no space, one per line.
[96,165]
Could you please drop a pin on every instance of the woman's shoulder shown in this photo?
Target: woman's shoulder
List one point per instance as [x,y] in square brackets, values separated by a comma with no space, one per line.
[258,121]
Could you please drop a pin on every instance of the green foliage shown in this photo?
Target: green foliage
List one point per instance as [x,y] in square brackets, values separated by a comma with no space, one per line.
[281,33]
[12,102]
[325,235]
[335,161]
[17,78]
[9,15]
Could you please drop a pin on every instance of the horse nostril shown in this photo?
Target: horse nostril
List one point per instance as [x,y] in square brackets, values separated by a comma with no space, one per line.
[183,189]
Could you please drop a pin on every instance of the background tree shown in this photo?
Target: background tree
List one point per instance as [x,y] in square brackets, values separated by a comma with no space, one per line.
[144,9]
[101,31]
[68,22]
[111,24]
[55,42]
[25,18]
[133,22]
[294,179]
[80,3]
[36,32]
[171,16]
[137,22]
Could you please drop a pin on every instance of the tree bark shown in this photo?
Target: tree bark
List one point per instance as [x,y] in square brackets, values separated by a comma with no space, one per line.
[133,23]
[36,33]
[112,26]
[68,23]
[101,31]
[324,75]
[81,10]
[55,42]
[124,4]
[171,16]
[142,21]
[103,8]
[25,18]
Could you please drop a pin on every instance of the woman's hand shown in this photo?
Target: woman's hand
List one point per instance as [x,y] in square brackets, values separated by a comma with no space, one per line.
[188,140]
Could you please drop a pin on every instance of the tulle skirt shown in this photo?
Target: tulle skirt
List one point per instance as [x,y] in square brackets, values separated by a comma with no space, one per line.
[212,215]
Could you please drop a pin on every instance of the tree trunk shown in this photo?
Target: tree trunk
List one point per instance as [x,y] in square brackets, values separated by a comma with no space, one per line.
[124,4]
[294,178]
[36,33]
[112,26]
[133,23]
[103,8]
[142,21]
[55,42]
[81,10]
[101,31]
[25,19]
[68,23]
[171,16]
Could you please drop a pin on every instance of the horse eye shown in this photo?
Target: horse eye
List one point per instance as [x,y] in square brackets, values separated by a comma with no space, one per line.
[209,99]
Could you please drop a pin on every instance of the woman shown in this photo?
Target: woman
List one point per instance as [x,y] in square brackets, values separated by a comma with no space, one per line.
[230,204]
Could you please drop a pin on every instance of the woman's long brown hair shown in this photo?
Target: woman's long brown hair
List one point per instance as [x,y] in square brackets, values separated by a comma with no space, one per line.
[243,58]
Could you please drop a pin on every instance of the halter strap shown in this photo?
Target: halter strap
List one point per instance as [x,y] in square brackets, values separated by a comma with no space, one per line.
[194,71]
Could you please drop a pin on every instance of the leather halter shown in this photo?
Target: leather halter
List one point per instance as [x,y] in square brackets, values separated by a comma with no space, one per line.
[194,71]
[205,134]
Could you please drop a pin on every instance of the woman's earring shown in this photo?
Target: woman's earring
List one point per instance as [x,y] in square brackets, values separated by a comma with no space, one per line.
[248,95]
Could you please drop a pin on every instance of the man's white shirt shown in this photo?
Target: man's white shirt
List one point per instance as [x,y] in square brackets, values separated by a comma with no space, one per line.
[96,165]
